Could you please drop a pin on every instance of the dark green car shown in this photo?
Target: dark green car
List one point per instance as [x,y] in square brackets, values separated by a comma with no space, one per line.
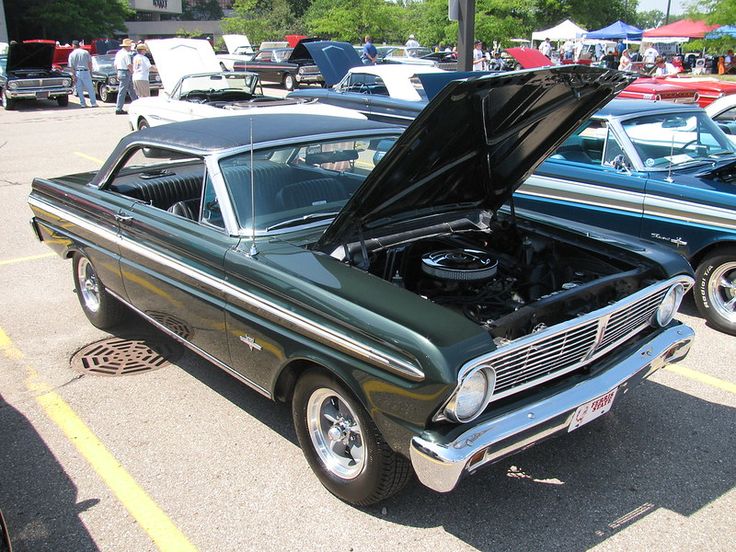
[371,276]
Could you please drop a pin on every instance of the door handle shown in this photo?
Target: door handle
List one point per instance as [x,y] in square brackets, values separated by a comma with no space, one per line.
[123,217]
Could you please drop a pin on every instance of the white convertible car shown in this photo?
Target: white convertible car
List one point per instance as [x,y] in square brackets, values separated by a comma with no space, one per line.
[194,87]
[238,48]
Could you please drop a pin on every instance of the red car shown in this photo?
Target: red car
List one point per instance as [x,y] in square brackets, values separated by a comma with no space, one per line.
[643,88]
[709,89]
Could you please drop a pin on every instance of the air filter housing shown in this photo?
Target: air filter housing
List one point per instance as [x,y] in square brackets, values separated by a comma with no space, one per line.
[459,265]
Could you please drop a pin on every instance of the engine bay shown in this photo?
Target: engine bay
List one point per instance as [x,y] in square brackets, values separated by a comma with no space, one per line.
[510,281]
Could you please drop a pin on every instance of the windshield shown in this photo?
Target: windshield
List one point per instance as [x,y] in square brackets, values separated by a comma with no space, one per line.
[298,185]
[672,140]
[220,82]
[102,63]
[3,64]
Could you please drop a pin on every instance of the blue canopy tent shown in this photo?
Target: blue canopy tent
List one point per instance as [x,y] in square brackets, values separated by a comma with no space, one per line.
[721,32]
[616,31]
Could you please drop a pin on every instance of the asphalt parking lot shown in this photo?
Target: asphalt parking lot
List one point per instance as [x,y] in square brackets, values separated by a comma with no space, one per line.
[186,458]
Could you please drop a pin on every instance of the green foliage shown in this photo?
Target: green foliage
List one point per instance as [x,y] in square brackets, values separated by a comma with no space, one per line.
[201,10]
[263,20]
[648,19]
[65,20]
[720,12]
[351,20]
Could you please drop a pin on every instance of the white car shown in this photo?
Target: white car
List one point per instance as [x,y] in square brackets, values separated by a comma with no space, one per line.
[194,87]
[723,112]
[239,49]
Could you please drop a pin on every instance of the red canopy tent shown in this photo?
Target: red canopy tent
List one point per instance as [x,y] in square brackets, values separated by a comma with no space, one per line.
[685,28]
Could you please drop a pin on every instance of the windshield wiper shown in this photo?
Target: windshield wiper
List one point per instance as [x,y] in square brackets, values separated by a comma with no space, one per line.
[693,162]
[301,220]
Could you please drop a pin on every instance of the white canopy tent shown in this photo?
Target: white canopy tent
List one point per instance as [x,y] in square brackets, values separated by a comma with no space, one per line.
[567,30]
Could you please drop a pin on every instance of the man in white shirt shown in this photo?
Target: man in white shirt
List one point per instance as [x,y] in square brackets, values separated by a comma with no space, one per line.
[663,68]
[141,69]
[80,64]
[650,55]
[124,69]
[479,58]
[546,47]
[412,42]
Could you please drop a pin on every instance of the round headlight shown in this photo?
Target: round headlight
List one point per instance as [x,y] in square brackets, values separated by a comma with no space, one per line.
[67,82]
[12,85]
[669,305]
[113,80]
[472,396]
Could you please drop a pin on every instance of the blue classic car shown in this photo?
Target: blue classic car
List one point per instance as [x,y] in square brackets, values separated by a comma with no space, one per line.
[660,171]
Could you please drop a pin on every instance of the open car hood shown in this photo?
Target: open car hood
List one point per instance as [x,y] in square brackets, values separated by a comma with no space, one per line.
[177,57]
[30,55]
[332,58]
[234,41]
[473,145]
[529,58]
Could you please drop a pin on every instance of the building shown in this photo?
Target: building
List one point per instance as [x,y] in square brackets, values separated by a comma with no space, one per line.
[153,10]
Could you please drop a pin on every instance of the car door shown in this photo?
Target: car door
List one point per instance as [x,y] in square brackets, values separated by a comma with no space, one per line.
[350,93]
[172,265]
[589,179]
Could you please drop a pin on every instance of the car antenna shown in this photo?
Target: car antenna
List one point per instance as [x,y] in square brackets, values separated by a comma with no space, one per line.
[669,166]
[253,249]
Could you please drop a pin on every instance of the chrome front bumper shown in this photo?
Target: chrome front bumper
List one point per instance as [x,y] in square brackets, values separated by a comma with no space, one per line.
[33,93]
[440,465]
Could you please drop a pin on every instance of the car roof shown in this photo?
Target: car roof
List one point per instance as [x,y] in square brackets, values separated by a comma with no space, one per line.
[624,107]
[214,134]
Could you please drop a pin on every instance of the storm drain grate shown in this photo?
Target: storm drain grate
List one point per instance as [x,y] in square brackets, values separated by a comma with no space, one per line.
[122,357]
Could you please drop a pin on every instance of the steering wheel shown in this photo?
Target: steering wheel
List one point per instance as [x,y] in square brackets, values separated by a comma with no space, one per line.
[682,148]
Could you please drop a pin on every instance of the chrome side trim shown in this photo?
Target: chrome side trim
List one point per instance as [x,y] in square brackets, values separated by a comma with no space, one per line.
[194,348]
[282,316]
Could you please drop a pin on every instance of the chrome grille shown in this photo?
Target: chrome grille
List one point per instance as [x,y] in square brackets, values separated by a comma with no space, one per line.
[310,69]
[37,83]
[561,349]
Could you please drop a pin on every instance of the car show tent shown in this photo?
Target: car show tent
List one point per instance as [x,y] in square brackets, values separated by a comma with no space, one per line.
[678,31]
[567,30]
[722,32]
[616,31]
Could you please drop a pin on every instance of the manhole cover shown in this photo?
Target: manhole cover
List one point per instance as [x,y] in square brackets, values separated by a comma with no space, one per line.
[121,357]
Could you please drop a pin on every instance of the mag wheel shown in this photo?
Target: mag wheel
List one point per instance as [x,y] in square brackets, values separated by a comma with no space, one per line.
[342,444]
[104,93]
[289,81]
[715,289]
[8,103]
[100,308]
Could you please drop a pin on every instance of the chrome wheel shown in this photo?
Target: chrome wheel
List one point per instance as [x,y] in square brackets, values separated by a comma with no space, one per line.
[335,433]
[722,290]
[89,285]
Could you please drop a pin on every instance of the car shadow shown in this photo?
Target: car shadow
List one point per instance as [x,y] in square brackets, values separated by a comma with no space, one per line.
[657,449]
[37,498]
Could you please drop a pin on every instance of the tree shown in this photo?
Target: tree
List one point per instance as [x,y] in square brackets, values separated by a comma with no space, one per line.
[351,20]
[649,19]
[263,20]
[65,19]
[201,10]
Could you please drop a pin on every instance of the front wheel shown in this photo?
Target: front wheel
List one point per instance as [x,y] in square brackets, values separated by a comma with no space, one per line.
[342,444]
[289,81]
[8,102]
[104,92]
[100,308]
[715,289]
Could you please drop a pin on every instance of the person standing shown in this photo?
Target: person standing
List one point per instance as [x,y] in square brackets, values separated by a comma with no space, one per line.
[546,47]
[650,55]
[624,62]
[80,64]
[370,54]
[141,69]
[124,68]
[412,42]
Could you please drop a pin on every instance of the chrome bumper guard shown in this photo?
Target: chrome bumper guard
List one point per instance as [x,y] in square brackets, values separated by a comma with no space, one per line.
[26,93]
[440,466]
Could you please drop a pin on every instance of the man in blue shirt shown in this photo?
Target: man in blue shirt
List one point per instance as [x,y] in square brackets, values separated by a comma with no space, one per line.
[369,55]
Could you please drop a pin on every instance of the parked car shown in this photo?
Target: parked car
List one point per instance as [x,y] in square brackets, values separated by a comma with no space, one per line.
[293,67]
[195,88]
[659,171]
[390,93]
[402,54]
[105,80]
[371,278]
[709,89]
[26,74]
[238,49]
[723,112]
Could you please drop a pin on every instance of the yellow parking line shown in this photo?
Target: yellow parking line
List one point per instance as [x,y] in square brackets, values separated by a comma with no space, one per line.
[162,531]
[88,157]
[25,259]
[702,378]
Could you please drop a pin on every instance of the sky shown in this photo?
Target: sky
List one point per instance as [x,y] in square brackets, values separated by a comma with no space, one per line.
[676,7]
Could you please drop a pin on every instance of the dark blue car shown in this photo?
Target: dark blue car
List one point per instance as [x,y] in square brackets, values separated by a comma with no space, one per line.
[661,171]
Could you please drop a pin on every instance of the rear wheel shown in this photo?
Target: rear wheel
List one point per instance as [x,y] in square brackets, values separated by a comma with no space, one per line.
[289,81]
[8,102]
[100,308]
[63,101]
[342,444]
[715,289]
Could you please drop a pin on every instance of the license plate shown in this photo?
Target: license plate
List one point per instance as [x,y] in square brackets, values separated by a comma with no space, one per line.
[42,95]
[592,410]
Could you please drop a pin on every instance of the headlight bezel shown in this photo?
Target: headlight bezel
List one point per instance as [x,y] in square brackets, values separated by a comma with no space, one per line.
[112,80]
[669,305]
[12,85]
[485,371]
[67,82]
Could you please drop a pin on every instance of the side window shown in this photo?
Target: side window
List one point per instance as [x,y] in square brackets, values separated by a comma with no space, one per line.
[614,155]
[586,145]
[378,87]
[728,116]
[211,213]
[264,56]
[162,178]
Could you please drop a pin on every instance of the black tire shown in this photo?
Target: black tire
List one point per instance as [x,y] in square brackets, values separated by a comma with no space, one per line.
[8,103]
[63,101]
[98,85]
[100,308]
[289,82]
[715,289]
[360,479]
[142,123]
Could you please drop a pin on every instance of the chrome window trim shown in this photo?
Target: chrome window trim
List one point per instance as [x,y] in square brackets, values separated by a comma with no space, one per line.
[283,316]
[598,316]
